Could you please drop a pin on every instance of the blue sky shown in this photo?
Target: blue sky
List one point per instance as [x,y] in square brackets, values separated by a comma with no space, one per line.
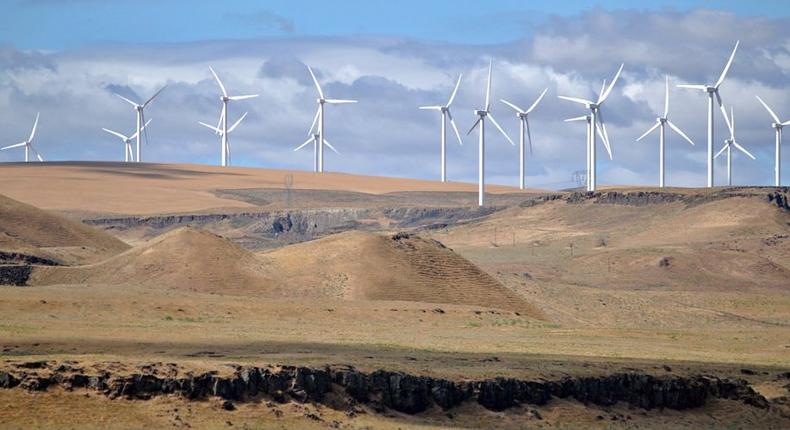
[63,24]
[66,58]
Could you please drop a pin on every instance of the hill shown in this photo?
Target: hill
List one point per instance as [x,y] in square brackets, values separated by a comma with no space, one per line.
[367,266]
[185,259]
[30,231]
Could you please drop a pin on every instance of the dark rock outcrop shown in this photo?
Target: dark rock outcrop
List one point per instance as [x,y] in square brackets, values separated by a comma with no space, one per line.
[15,275]
[393,390]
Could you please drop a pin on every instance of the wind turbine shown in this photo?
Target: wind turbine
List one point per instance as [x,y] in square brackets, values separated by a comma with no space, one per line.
[588,119]
[481,121]
[319,118]
[523,121]
[223,133]
[28,144]
[314,140]
[222,125]
[713,90]
[445,111]
[140,110]
[728,144]
[128,155]
[777,125]
[663,121]
[596,120]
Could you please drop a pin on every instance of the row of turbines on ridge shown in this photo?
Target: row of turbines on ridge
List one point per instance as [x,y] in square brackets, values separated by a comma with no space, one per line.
[594,120]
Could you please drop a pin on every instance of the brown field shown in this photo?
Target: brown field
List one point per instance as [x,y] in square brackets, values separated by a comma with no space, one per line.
[530,291]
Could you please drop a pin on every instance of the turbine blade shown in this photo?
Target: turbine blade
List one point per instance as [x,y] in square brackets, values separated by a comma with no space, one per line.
[308,141]
[147,102]
[33,132]
[576,100]
[786,123]
[16,145]
[41,159]
[611,85]
[578,118]
[210,126]
[339,101]
[693,87]
[222,87]
[535,104]
[318,87]
[599,129]
[680,132]
[455,90]
[501,130]
[331,147]
[650,130]
[529,135]
[666,96]
[455,129]
[488,86]
[117,134]
[221,117]
[473,126]
[430,107]
[516,108]
[742,149]
[603,128]
[721,151]
[127,100]
[727,67]
[771,112]
[250,96]
[723,112]
[315,120]
[238,121]
[603,87]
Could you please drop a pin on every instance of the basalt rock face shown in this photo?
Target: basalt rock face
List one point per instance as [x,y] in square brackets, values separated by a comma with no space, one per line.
[15,274]
[384,390]
[780,199]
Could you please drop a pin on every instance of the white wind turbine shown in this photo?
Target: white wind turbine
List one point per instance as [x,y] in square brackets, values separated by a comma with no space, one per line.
[713,90]
[663,121]
[222,124]
[481,121]
[728,144]
[777,125]
[28,144]
[224,134]
[140,111]
[314,140]
[596,120]
[445,111]
[319,118]
[523,121]
[128,155]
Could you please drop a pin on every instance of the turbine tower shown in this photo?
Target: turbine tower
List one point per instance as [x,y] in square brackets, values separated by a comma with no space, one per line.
[713,90]
[445,111]
[777,125]
[728,144]
[523,122]
[223,132]
[140,111]
[314,139]
[128,155]
[481,121]
[28,144]
[596,120]
[662,122]
[222,125]
[319,118]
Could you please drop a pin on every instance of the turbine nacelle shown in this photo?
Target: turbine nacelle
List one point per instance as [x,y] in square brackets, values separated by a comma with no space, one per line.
[481,113]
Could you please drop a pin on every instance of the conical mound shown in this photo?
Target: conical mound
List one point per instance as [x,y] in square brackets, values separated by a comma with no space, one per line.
[33,231]
[185,259]
[365,266]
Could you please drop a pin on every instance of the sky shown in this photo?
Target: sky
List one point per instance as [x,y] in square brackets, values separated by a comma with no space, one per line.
[66,58]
